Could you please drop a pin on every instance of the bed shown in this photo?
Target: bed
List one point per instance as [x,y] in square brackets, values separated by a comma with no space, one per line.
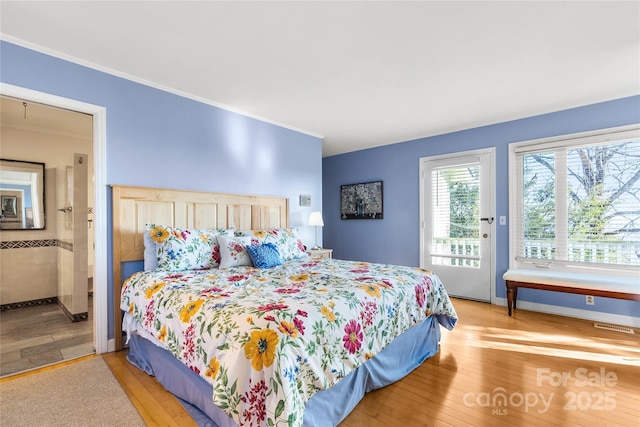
[258,333]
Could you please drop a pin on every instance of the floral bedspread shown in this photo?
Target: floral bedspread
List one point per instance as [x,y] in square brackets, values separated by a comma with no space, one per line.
[268,339]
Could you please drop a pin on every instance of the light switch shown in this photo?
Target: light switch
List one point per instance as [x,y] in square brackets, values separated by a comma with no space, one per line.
[503,220]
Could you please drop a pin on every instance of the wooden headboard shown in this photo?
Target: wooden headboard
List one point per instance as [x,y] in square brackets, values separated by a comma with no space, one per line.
[133,207]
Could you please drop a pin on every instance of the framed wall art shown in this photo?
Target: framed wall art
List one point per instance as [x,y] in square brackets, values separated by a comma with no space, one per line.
[11,203]
[9,206]
[361,201]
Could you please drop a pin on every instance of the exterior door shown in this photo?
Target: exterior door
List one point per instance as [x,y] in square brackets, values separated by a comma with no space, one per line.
[457,222]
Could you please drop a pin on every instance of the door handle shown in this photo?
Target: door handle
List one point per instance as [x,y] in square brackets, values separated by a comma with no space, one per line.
[489,220]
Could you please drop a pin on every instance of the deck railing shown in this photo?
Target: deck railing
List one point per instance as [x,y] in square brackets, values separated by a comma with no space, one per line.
[613,252]
[458,251]
[455,251]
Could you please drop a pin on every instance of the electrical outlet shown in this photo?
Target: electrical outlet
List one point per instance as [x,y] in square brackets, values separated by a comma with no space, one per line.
[590,300]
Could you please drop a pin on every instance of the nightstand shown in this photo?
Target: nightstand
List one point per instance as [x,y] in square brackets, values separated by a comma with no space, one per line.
[320,253]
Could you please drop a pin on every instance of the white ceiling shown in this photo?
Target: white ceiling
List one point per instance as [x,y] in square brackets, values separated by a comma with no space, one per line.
[358,74]
[42,118]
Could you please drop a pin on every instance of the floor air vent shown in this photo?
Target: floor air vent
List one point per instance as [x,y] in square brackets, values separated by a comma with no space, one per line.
[615,328]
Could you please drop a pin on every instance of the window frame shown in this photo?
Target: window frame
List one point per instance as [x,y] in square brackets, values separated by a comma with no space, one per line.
[555,143]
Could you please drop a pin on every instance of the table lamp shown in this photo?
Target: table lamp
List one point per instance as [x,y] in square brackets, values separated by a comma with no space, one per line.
[315,219]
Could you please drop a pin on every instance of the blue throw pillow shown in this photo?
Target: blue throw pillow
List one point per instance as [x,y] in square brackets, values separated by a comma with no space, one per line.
[265,255]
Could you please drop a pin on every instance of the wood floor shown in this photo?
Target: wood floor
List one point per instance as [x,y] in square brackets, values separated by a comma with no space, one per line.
[528,370]
[32,337]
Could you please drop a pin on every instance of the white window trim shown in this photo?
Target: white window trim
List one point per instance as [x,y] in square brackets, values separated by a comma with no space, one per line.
[558,142]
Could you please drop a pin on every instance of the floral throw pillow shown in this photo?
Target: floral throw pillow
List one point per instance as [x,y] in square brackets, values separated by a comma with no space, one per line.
[180,249]
[286,240]
[233,251]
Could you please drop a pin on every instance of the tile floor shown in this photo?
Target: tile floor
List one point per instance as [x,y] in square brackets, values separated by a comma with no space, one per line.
[33,337]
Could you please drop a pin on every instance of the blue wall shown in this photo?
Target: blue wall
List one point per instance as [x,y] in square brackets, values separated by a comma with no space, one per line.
[396,238]
[158,139]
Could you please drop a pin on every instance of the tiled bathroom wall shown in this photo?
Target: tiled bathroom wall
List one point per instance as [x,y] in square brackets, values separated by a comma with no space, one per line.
[30,259]
[28,270]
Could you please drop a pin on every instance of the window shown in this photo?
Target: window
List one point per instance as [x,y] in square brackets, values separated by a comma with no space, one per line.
[456,215]
[576,201]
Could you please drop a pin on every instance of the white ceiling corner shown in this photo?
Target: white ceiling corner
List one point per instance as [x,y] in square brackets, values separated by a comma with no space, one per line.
[360,74]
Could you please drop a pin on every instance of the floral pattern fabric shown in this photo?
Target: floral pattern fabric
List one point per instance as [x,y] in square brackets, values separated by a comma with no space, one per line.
[233,251]
[179,249]
[268,339]
[286,240]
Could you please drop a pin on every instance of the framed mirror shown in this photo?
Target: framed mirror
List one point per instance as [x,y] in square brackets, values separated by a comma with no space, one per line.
[21,195]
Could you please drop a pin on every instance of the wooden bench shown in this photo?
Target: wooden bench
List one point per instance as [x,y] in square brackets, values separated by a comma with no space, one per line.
[627,288]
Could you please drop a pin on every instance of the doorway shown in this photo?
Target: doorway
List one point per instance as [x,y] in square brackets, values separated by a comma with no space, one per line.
[46,262]
[457,221]
[99,304]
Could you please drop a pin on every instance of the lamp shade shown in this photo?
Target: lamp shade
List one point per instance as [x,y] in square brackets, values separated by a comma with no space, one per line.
[316,219]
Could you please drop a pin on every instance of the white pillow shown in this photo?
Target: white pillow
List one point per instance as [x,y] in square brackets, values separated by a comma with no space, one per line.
[233,251]
[286,240]
[150,256]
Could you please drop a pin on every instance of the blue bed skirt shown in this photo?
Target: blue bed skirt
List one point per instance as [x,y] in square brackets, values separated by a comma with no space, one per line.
[326,408]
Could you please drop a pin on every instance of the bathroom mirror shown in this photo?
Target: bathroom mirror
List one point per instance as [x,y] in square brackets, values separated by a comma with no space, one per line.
[21,195]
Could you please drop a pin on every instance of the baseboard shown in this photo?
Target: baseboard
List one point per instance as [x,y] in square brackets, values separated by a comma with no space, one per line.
[30,303]
[77,317]
[597,316]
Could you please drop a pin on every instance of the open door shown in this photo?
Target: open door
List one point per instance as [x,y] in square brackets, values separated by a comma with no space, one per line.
[458,222]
